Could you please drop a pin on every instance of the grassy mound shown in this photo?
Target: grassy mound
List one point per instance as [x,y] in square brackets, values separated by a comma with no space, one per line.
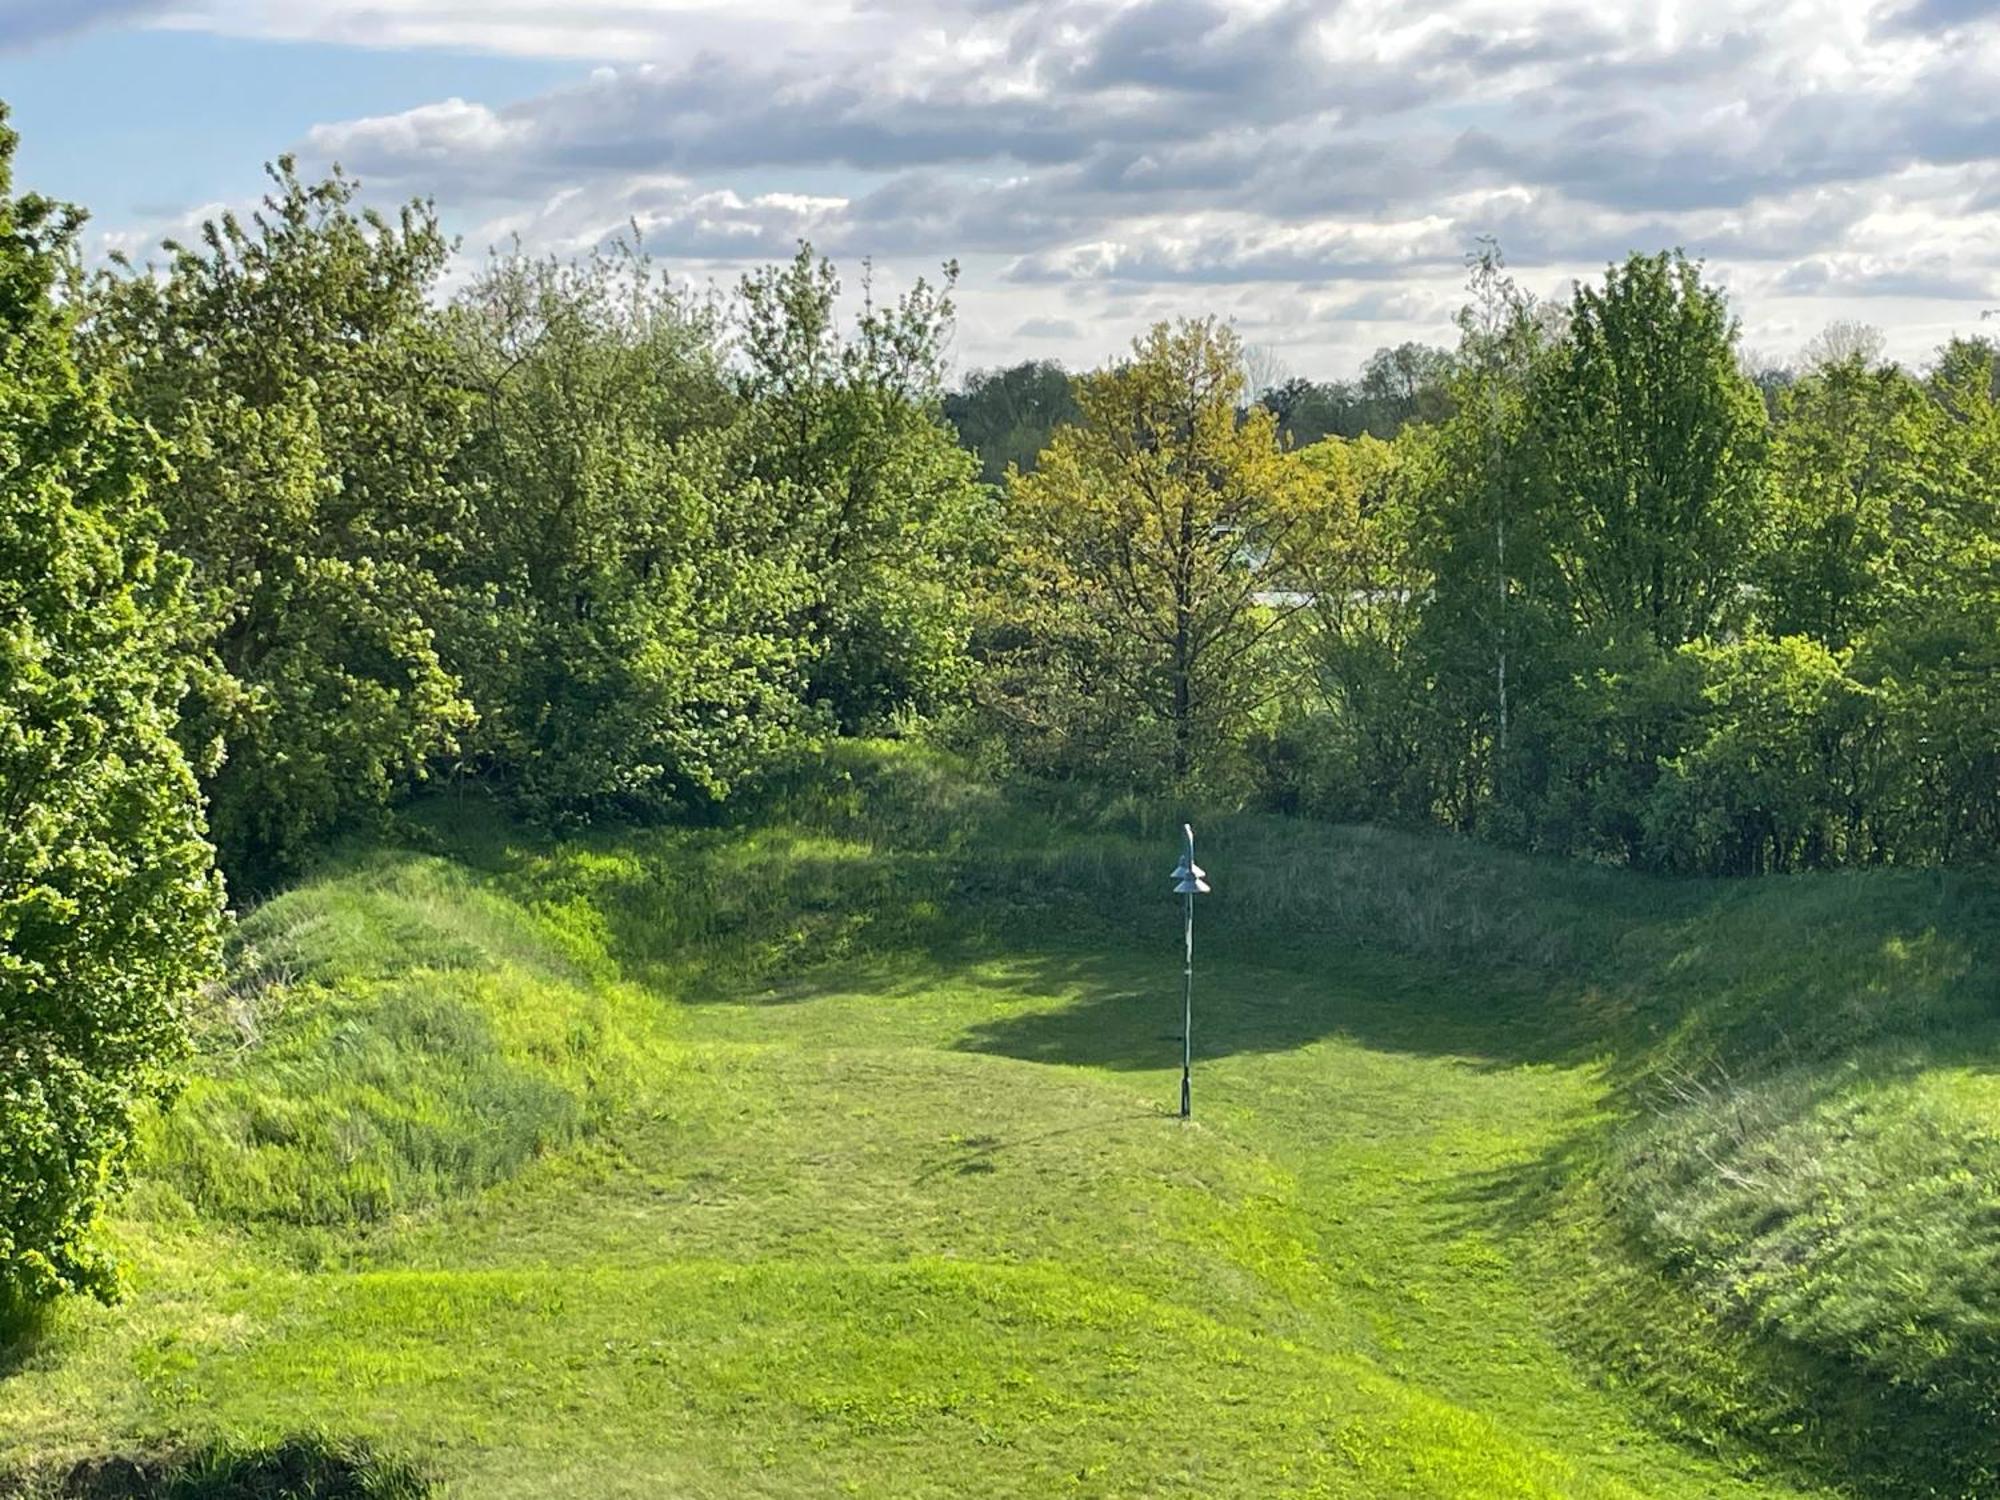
[830,1151]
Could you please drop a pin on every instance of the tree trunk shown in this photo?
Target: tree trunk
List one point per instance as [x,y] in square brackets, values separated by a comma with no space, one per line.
[1183,708]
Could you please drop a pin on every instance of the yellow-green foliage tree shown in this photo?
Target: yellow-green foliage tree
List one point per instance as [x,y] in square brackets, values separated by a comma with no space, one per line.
[1157,556]
[1369,719]
[108,910]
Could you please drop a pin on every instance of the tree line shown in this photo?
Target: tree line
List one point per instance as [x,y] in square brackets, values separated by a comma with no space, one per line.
[1595,588]
[288,532]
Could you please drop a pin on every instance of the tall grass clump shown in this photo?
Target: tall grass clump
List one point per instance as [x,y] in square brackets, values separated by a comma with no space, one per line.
[391,1034]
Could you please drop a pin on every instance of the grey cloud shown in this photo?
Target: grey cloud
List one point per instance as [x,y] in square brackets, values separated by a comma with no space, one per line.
[1119,145]
[1229,258]
[1638,158]
[1382,304]
[1203,47]
[713,117]
[1048,328]
[1147,79]
[1933,278]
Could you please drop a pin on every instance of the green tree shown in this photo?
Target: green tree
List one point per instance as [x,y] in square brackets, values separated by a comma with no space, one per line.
[1648,454]
[1158,546]
[625,643]
[1370,747]
[1309,411]
[305,381]
[1493,632]
[1788,769]
[1398,386]
[1935,653]
[1850,475]
[872,498]
[108,909]
[1008,416]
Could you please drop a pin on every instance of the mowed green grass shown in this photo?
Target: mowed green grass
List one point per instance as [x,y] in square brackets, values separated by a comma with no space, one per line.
[834,1152]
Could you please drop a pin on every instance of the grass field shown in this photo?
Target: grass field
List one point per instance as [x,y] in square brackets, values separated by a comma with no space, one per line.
[832,1152]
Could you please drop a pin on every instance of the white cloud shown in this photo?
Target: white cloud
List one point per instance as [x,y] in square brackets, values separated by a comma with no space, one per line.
[1099,162]
[594,30]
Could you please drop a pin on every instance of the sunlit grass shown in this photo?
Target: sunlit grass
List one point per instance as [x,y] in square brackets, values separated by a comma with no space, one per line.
[832,1151]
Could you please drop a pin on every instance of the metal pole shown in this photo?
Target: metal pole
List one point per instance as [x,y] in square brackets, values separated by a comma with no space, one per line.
[1187,1017]
[1188,882]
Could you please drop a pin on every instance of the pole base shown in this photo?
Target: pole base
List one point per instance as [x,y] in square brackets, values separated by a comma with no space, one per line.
[1187,1098]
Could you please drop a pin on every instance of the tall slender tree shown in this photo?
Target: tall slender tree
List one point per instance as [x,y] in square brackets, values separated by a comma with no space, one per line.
[1648,444]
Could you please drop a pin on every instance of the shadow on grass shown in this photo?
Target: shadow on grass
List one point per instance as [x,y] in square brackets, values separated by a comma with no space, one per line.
[27,1328]
[295,1469]
[1422,944]
[1129,1009]
[975,1155]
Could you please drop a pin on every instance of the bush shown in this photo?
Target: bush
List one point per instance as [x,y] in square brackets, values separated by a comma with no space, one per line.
[304,380]
[108,910]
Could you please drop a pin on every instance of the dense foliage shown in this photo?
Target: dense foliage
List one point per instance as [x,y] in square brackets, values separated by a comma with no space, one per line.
[622,619]
[309,399]
[1006,417]
[1580,584]
[108,911]
[1397,387]
[1611,606]
[871,496]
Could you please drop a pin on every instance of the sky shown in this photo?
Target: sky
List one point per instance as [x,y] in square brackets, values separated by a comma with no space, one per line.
[1315,171]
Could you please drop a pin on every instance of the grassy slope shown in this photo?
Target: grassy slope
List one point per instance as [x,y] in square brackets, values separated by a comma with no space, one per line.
[829,1153]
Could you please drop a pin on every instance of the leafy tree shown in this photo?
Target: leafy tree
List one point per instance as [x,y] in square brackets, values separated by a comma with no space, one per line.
[874,501]
[108,910]
[1159,545]
[1849,474]
[1310,411]
[307,387]
[1398,387]
[624,641]
[1648,452]
[1374,728]
[1494,631]
[1582,509]
[1955,378]
[1408,383]
[1771,377]
[1629,492]
[1785,771]
[1935,654]
[1008,416]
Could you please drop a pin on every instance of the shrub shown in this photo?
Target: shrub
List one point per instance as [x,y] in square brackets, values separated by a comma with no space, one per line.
[108,909]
